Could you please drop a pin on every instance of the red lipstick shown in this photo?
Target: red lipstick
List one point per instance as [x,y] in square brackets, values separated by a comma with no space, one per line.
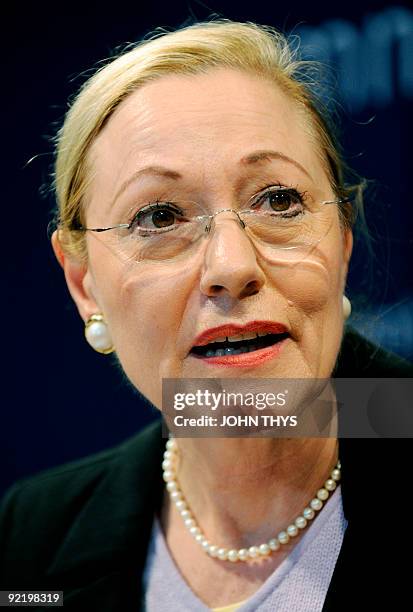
[233,329]
[247,359]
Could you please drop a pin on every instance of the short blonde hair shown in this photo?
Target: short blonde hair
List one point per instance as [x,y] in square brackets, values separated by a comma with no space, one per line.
[255,49]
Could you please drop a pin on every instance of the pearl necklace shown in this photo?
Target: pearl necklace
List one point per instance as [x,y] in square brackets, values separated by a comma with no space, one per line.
[170,459]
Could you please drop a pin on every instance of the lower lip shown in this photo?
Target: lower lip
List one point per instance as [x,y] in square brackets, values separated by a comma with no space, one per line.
[245,360]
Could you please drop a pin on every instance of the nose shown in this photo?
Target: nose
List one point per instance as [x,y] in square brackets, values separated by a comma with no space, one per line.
[230,263]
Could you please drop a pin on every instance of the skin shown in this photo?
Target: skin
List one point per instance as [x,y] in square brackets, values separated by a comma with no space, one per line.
[201,126]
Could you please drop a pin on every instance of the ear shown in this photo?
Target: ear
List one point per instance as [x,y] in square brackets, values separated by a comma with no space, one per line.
[78,279]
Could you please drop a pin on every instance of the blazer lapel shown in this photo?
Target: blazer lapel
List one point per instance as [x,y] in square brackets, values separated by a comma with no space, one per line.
[370,556]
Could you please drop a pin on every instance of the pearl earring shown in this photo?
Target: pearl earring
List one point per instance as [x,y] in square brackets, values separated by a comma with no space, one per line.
[346,307]
[97,334]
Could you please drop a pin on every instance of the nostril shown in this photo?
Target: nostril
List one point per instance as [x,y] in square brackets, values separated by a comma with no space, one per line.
[216,289]
[251,288]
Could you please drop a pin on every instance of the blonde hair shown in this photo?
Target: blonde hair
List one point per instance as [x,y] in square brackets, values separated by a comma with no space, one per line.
[255,49]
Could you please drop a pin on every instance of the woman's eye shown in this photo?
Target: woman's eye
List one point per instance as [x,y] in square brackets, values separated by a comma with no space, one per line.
[280,200]
[155,217]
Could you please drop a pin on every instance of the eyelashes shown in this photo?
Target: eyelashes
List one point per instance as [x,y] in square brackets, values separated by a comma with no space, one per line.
[257,190]
[277,187]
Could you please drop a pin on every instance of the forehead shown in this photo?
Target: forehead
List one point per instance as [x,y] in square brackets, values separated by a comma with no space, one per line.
[201,123]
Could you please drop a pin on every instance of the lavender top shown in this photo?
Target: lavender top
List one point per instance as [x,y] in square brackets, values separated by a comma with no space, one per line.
[299,583]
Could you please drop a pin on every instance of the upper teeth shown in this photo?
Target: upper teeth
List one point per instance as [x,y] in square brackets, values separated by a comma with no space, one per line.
[246,336]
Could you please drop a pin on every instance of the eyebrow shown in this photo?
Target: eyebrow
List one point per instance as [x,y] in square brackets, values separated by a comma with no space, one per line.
[255,157]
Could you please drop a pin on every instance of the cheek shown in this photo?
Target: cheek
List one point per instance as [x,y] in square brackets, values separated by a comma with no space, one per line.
[314,294]
[146,313]
[147,308]
[314,284]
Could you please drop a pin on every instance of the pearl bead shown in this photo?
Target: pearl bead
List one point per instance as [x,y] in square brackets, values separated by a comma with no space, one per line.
[176,496]
[274,544]
[189,522]
[339,465]
[199,537]
[213,551]
[264,549]
[283,537]
[253,552]
[233,555]
[330,484]
[194,530]
[168,455]
[301,522]
[316,504]
[167,464]
[308,513]
[336,475]
[292,530]
[181,504]
[172,485]
[168,475]
[185,513]
[223,554]
[323,494]
[170,443]
[243,554]
[205,545]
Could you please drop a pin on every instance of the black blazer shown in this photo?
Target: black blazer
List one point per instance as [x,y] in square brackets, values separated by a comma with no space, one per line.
[84,527]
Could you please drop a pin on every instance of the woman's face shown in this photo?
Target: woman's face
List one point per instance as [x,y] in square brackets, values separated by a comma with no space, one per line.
[201,127]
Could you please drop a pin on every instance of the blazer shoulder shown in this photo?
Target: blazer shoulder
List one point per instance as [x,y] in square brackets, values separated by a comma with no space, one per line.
[63,481]
[360,357]
[38,512]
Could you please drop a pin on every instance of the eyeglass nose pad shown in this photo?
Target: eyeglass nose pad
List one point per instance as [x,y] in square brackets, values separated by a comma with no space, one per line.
[209,224]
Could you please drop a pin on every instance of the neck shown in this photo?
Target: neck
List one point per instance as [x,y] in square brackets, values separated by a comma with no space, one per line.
[244,490]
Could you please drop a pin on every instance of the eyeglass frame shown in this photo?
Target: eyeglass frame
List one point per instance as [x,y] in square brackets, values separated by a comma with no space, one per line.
[346,200]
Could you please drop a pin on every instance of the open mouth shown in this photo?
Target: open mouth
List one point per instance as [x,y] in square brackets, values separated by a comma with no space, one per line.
[237,347]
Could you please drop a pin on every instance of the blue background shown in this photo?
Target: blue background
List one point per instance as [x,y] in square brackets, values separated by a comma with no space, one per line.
[61,400]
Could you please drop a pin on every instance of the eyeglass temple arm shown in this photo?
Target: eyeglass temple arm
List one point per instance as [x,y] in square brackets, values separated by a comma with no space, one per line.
[102,229]
[340,201]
